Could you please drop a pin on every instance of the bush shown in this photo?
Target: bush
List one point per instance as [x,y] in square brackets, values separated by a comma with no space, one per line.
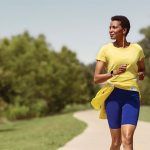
[76,107]
[17,112]
[38,109]
[145,91]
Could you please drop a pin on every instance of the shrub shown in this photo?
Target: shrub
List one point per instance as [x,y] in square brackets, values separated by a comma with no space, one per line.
[17,112]
[39,108]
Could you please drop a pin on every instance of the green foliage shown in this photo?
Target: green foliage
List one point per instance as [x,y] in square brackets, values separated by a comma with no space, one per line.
[145,87]
[35,77]
[145,90]
[17,112]
[145,43]
[39,108]
[76,107]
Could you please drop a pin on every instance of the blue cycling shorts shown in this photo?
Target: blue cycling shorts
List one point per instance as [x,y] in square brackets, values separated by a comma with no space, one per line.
[122,107]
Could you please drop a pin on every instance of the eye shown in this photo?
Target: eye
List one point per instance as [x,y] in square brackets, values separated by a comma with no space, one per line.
[114,27]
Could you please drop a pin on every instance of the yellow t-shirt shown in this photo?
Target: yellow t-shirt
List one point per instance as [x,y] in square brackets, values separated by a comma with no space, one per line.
[114,57]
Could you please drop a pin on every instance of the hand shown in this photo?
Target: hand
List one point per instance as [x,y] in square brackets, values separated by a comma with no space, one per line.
[141,75]
[120,70]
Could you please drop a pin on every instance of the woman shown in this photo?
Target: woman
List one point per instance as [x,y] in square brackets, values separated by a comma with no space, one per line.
[124,62]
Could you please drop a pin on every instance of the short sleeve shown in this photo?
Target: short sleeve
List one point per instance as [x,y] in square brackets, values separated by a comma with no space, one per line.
[141,54]
[101,55]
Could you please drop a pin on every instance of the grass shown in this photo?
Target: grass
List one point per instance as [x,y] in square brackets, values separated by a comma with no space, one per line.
[46,133]
[145,113]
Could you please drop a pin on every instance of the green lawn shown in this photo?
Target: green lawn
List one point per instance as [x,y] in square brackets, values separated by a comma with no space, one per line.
[145,113]
[47,133]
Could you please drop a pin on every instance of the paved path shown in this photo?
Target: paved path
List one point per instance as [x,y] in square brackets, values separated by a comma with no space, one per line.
[96,135]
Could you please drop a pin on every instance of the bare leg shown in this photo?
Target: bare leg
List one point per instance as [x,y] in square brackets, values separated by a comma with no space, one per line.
[116,139]
[127,132]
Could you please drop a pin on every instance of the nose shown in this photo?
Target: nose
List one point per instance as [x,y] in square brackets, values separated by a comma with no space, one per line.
[110,30]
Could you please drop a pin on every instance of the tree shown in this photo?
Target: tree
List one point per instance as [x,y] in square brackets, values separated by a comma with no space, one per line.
[145,43]
[36,80]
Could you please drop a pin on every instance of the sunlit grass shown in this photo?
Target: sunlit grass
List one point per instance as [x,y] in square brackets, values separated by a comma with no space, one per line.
[145,113]
[46,133]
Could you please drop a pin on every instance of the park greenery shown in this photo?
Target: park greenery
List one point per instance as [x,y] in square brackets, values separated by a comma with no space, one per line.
[46,133]
[38,81]
[145,86]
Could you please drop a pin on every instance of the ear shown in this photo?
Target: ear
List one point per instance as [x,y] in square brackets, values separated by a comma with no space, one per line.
[124,31]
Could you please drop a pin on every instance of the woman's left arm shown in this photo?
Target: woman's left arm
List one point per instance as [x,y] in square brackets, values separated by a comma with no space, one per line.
[141,69]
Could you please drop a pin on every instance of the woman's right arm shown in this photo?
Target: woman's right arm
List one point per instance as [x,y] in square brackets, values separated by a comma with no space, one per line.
[98,77]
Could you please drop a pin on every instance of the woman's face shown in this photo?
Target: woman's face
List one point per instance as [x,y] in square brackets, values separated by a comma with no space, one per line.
[115,30]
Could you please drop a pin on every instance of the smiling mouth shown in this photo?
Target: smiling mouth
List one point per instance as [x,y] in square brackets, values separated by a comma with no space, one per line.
[111,34]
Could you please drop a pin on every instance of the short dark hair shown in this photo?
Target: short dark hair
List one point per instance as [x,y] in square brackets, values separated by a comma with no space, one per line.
[125,23]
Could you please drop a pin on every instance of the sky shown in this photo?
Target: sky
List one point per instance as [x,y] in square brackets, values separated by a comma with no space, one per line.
[81,25]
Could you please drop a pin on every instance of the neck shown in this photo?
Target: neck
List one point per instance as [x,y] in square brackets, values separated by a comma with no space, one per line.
[121,43]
